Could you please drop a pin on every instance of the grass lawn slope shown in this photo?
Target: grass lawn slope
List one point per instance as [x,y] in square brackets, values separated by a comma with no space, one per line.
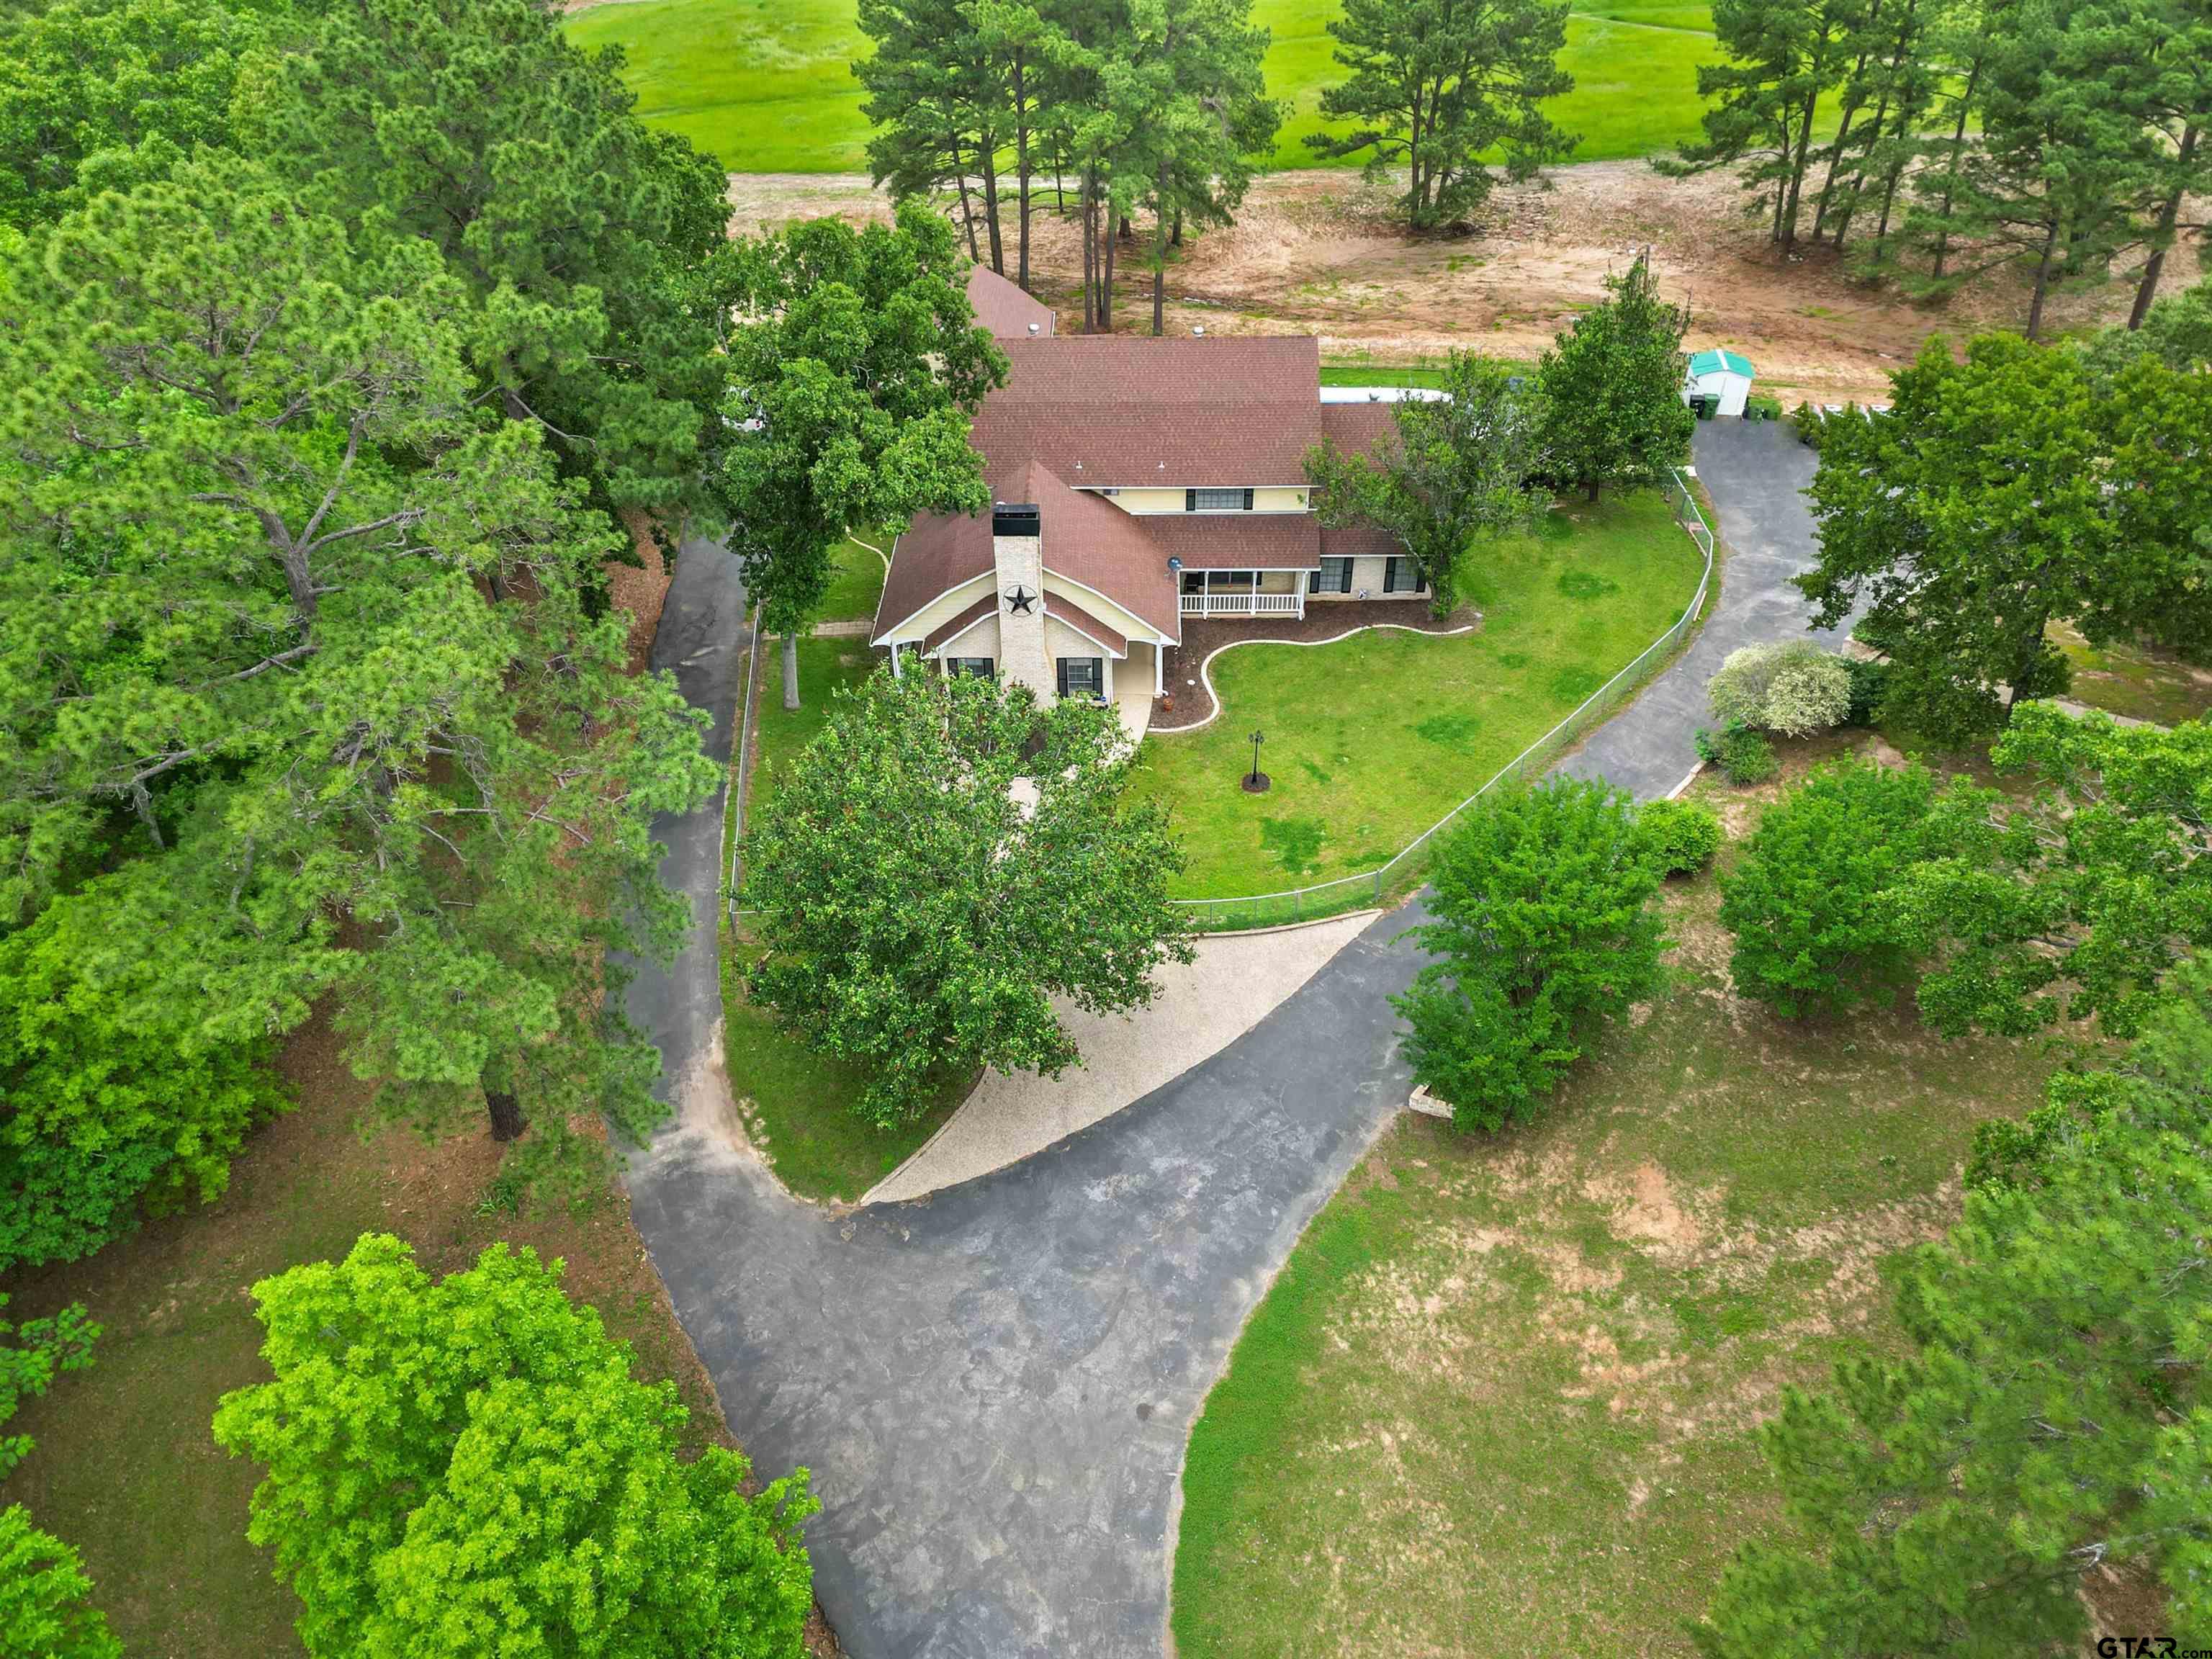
[1371,740]
[2137,682]
[766,85]
[1501,1398]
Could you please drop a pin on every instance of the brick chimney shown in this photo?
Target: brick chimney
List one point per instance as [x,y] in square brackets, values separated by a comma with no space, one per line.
[1018,555]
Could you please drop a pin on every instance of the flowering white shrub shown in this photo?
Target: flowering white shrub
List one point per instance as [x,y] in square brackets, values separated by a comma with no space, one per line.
[1793,688]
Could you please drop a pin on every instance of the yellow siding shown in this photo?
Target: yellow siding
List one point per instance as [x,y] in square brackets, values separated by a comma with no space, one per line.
[1061,640]
[942,609]
[1281,498]
[1097,604]
[1367,578]
[1148,501]
[980,640]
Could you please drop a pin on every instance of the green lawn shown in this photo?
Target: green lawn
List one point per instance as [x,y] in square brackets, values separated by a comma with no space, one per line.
[1351,371]
[797,1105]
[858,583]
[1501,1397]
[2137,681]
[768,88]
[1371,740]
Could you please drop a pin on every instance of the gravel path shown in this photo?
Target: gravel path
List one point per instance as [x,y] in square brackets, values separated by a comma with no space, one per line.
[994,1385]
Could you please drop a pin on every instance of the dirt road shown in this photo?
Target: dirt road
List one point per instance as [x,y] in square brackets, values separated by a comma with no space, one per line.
[1316,252]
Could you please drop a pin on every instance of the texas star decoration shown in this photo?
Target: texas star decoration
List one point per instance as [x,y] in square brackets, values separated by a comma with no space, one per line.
[1019,599]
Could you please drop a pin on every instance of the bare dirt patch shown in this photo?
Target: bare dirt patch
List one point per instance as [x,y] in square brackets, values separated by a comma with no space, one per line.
[1318,253]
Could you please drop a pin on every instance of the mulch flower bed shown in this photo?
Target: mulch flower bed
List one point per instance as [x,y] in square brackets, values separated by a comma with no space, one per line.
[1202,637]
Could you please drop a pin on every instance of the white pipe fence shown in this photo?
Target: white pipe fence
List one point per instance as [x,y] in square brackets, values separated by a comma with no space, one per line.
[1371,887]
[1328,898]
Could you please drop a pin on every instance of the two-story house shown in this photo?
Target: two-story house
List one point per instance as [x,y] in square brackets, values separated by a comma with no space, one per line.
[1139,481]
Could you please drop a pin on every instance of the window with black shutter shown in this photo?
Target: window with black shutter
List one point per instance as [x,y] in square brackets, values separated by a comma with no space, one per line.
[1217,500]
[1081,677]
[1334,576]
[1400,575]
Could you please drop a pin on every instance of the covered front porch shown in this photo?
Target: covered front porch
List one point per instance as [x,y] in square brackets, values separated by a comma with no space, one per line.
[1244,593]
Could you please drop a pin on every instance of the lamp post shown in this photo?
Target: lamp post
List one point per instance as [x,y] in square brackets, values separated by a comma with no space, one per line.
[1257,781]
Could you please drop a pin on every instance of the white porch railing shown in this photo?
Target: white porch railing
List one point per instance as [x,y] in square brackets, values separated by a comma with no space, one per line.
[1244,604]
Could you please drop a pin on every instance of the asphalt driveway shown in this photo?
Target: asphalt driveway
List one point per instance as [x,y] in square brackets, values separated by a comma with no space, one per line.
[1754,471]
[994,1385]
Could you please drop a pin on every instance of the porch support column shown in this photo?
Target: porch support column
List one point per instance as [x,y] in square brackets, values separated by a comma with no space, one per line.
[1159,667]
[894,661]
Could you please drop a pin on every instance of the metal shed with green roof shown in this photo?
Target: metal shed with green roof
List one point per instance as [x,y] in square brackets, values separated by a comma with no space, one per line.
[1719,379]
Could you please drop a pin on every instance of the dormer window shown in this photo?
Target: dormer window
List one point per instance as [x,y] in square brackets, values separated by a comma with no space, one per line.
[1217,500]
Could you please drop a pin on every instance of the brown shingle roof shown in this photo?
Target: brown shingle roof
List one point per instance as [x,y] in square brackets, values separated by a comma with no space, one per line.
[1004,308]
[937,553]
[1353,539]
[1088,625]
[1092,541]
[1136,412]
[1084,413]
[1246,541]
[1355,428]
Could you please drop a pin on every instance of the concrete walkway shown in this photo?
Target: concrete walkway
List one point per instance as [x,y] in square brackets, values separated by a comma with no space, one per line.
[993,1386]
[1754,471]
[1233,982]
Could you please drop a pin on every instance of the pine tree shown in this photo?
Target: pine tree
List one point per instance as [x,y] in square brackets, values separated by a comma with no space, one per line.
[2065,150]
[1782,58]
[1437,85]
[1612,389]
[2047,1420]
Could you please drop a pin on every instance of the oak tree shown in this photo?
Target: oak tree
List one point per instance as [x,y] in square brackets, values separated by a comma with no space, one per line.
[46,1607]
[853,373]
[1448,474]
[923,905]
[96,94]
[1542,928]
[2001,494]
[1613,412]
[467,1465]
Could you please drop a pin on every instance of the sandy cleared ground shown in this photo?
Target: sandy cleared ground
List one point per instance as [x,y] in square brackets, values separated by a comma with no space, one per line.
[1316,252]
[1237,981]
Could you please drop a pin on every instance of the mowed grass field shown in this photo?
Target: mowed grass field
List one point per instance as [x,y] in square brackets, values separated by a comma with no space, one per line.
[1372,739]
[767,86]
[1502,1398]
